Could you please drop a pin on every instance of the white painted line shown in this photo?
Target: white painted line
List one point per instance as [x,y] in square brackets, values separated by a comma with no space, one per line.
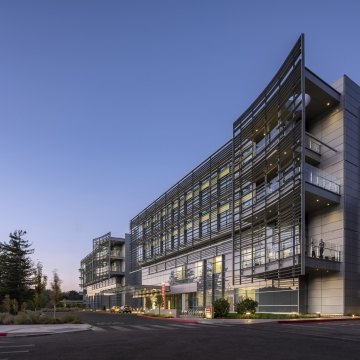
[140,327]
[16,346]
[95,328]
[185,326]
[162,327]
[120,328]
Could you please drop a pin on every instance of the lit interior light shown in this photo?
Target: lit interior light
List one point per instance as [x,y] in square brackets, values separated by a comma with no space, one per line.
[317,200]
[328,103]
[256,130]
[328,204]
[284,152]
[270,164]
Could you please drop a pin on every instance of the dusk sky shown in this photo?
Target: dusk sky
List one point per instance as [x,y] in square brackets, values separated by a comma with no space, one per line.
[106,104]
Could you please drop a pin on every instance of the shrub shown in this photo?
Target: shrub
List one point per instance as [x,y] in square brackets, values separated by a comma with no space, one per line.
[35,317]
[70,319]
[246,305]
[22,318]
[6,319]
[221,308]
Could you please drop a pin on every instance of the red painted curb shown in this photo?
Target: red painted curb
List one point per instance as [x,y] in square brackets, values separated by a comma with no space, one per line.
[313,320]
[3,334]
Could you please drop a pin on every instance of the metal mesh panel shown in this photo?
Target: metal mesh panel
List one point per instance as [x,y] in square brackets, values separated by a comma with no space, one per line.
[267,188]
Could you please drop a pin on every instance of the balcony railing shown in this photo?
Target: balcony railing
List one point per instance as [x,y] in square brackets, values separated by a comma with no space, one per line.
[325,251]
[312,144]
[321,179]
[116,254]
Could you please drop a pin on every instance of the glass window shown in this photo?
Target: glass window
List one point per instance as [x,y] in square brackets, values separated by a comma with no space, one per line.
[217,265]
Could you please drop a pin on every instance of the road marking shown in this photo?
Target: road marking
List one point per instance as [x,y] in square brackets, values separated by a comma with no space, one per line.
[16,346]
[14,352]
[162,327]
[185,326]
[120,328]
[95,328]
[140,327]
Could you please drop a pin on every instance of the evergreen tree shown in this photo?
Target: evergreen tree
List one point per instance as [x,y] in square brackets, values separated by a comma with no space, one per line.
[16,268]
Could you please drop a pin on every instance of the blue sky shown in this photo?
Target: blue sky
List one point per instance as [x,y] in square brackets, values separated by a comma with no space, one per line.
[104,105]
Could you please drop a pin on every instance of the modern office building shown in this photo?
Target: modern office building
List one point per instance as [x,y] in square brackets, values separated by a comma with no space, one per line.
[102,272]
[273,214]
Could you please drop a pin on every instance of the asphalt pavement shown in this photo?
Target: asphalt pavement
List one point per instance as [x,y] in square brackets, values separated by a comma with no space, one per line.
[36,330]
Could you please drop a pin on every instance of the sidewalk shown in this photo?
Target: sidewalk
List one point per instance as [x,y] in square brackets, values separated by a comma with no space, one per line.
[256,321]
[34,330]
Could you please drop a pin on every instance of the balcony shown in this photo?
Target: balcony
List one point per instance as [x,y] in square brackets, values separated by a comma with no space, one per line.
[115,270]
[116,255]
[312,150]
[321,189]
[326,258]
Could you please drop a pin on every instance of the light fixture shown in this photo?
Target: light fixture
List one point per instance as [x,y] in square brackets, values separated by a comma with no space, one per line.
[256,130]
[328,204]
[317,200]
[328,103]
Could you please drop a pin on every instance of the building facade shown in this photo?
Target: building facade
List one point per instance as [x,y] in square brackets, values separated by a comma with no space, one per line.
[102,272]
[273,214]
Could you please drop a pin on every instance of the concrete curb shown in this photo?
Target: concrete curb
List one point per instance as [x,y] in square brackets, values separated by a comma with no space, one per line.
[318,320]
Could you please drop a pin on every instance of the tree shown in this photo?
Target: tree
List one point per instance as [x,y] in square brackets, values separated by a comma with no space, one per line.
[16,268]
[40,282]
[71,295]
[148,303]
[55,290]
[158,301]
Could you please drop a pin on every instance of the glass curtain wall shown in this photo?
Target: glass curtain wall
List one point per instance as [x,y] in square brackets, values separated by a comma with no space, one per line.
[193,213]
[267,158]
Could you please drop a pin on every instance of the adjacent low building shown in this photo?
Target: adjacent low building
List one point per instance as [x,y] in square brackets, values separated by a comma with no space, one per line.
[273,214]
[103,272]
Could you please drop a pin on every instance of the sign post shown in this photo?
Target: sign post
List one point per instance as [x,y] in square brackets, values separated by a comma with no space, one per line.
[163,295]
[208,312]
